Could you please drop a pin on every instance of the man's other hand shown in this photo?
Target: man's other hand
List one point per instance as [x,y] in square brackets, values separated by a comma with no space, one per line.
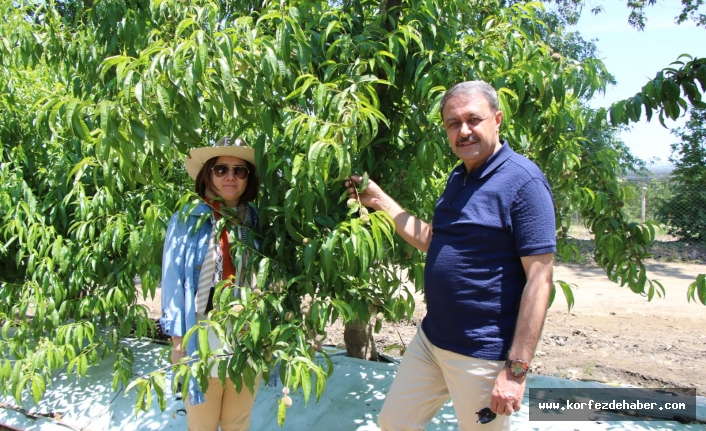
[507,393]
[372,196]
[413,230]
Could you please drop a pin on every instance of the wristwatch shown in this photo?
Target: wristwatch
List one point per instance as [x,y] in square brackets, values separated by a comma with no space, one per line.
[518,367]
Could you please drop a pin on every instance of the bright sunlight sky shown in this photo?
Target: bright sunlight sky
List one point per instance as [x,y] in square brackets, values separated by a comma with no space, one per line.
[634,57]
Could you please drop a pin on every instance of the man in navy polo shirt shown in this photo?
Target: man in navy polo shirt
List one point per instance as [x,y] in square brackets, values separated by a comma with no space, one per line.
[487,279]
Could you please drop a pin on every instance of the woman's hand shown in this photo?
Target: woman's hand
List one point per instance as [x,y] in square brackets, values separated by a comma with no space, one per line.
[177,351]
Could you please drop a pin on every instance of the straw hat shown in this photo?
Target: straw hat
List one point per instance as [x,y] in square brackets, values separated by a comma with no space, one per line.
[224,147]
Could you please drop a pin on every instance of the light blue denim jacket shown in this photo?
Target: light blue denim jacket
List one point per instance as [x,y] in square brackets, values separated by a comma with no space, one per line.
[184,251]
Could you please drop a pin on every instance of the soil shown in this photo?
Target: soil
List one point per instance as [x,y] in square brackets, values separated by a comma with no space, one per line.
[611,335]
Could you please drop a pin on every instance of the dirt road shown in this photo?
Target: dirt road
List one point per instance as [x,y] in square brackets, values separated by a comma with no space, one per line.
[614,335]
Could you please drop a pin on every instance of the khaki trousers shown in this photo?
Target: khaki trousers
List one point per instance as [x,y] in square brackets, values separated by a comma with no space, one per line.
[223,405]
[427,377]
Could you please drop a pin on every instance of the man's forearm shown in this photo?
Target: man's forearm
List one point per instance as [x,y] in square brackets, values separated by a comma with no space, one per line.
[509,389]
[413,230]
[533,306]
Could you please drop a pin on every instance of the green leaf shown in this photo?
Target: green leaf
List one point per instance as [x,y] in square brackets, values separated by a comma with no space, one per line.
[159,384]
[109,62]
[697,289]
[281,412]
[639,287]
[82,365]
[393,347]
[138,93]
[365,249]
[255,328]
[343,308]
[568,293]
[321,379]
[267,122]
[263,272]
[204,348]
[320,98]
[327,251]
[317,159]
[306,385]
[163,99]
[296,166]
[19,387]
[364,182]
[38,387]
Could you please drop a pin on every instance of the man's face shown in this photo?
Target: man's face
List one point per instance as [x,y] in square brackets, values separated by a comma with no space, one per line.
[472,128]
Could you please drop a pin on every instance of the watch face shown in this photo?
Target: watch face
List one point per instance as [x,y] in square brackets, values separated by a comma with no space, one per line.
[518,368]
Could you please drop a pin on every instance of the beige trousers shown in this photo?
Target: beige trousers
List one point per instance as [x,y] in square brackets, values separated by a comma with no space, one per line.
[425,380]
[223,406]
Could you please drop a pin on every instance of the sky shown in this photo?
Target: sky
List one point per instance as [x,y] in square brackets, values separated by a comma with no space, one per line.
[634,57]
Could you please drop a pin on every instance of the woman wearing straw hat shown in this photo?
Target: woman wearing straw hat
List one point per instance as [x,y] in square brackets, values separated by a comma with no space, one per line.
[196,257]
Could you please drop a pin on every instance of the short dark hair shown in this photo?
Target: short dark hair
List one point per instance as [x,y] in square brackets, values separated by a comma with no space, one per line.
[471,88]
[204,181]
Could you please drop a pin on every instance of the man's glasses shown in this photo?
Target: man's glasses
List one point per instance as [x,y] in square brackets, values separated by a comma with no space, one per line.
[240,172]
[485,415]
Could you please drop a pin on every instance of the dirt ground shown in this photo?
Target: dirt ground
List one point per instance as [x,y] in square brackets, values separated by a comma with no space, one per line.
[611,335]
[614,335]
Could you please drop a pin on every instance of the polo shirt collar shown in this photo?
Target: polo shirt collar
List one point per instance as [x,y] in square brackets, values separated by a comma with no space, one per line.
[492,163]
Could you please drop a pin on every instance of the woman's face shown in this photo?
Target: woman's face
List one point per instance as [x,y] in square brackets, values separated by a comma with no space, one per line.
[229,187]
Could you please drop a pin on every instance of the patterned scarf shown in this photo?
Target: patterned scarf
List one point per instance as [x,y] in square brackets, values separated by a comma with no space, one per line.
[224,264]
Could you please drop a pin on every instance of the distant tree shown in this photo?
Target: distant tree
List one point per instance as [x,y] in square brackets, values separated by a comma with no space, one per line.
[571,10]
[689,155]
[691,11]
[684,212]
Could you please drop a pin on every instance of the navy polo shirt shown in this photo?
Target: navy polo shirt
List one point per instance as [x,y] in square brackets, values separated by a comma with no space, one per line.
[483,223]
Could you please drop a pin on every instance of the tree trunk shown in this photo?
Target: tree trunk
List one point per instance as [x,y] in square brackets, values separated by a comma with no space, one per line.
[359,341]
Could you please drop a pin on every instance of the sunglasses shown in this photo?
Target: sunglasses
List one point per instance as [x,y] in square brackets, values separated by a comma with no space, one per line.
[240,172]
[485,415]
